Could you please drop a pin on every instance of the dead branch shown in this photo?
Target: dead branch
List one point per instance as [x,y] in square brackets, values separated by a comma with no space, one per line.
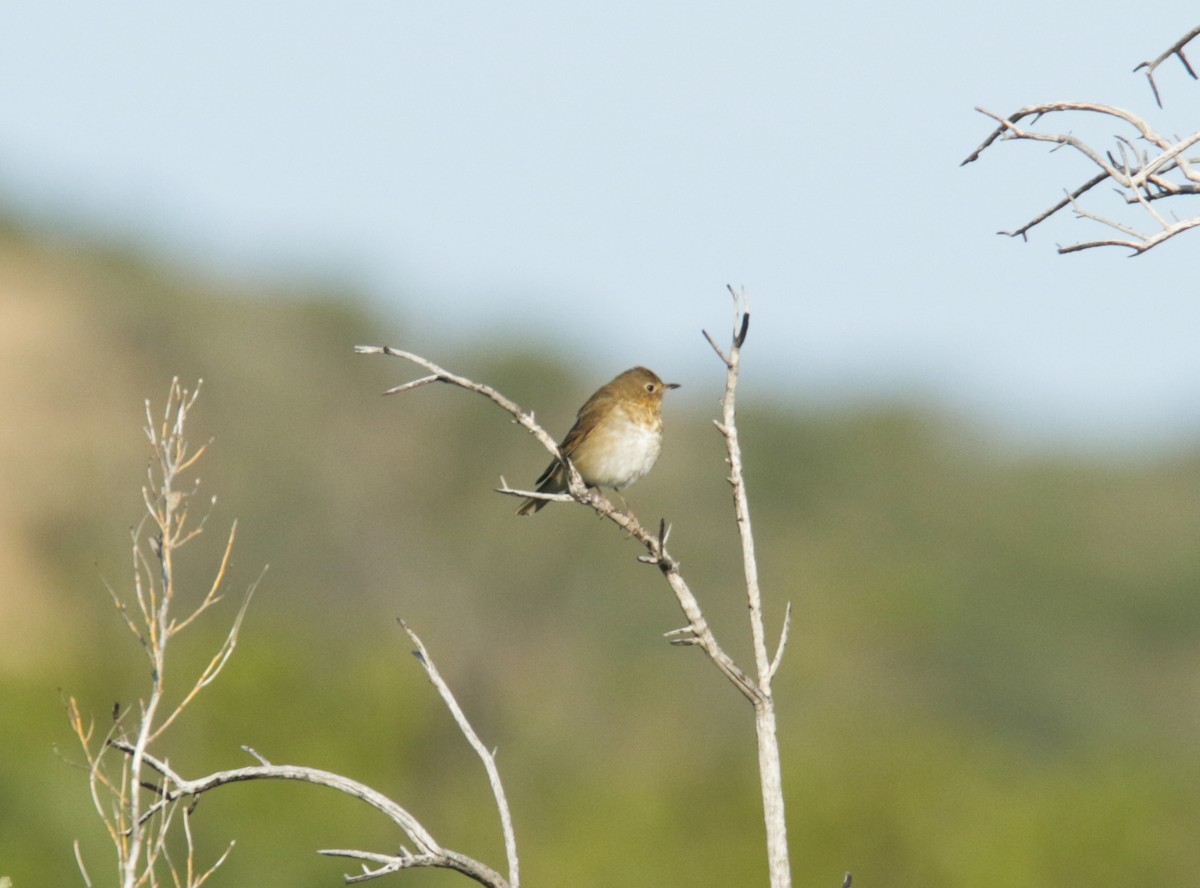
[430,853]
[770,776]
[1141,177]
[485,755]
[1175,50]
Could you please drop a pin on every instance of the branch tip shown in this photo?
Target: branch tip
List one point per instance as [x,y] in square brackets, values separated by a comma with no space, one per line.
[715,347]
[741,335]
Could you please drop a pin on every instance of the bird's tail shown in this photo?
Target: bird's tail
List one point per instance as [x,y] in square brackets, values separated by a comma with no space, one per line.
[550,481]
[529,506]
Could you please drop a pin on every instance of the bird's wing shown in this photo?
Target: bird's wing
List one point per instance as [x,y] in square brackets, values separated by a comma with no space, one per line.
[585,422]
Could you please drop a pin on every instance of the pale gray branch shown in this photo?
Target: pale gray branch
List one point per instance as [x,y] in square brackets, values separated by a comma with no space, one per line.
[176,787]
[408,386]
[1140,177]
[769,768]
[1174,50]
[525,420]
[783,640]
[533,494]
[487,757]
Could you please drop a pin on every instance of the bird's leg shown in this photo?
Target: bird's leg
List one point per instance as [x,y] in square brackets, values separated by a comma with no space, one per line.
[625,508]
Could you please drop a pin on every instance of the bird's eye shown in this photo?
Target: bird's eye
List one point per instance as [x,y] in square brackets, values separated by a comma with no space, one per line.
[650,387]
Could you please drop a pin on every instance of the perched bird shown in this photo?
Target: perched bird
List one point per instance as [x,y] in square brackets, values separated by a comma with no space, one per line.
[616,437]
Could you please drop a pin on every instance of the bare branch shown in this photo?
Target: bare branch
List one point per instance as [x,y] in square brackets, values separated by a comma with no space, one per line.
[1175,49]
[214,589]
[87,880]
[769,771]
[783,639]
[1065,202]
[1138,246]
[1139,177]
[728,429]
[485,756]
[525,420]
[261,759]
[578,491]
[534,494]
[430,853]
[409,386]
[716,348]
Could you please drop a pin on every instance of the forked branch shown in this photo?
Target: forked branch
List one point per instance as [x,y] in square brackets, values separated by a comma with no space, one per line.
[175,788]
[485,755]
[1144,166]
[1175,50]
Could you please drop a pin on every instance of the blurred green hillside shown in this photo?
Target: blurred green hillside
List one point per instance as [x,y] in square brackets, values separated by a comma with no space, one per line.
[993,679]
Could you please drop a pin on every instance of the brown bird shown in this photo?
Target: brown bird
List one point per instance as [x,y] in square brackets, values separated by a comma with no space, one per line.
[616,438]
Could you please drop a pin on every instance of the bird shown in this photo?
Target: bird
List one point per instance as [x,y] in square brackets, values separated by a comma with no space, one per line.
[616,438]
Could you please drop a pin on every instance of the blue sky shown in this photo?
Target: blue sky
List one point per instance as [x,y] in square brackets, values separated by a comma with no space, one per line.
[588,177]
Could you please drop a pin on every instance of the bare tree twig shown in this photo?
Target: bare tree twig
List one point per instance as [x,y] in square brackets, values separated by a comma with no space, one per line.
[534,494]
[1140,177]
[485,756]
[783,640]
[430,853]
[1174,50]
[87,880]
[1065,202]
[439,374]
[769,768]
[1139,245]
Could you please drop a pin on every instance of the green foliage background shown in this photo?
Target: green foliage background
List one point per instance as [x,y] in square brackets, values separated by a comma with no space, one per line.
[992,681]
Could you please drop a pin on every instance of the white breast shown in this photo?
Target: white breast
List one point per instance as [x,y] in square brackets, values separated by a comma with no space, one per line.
[630,451]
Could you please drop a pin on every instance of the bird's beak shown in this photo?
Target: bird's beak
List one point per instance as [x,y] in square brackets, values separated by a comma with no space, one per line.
[671,385]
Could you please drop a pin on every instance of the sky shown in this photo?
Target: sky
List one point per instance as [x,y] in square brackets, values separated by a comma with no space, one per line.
[588,178]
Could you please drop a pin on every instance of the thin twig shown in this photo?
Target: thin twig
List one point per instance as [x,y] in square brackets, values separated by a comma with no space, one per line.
[770,775]
[485,756]
[1140,177]
[783,639]
[1175,49]
[1087,186]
